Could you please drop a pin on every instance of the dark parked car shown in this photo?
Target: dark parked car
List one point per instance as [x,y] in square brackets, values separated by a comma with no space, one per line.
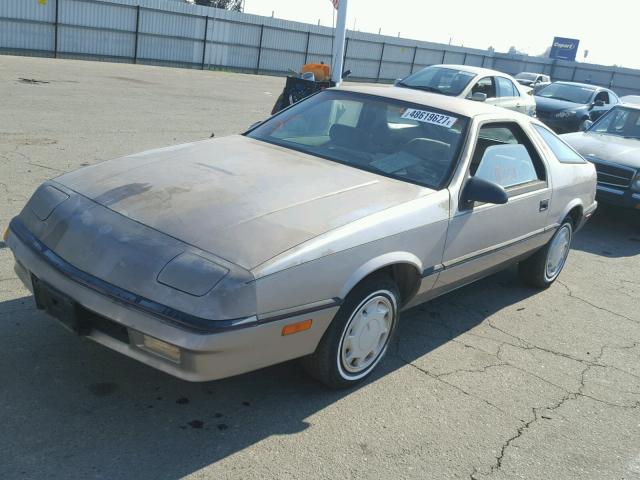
[566,106]
[612,144]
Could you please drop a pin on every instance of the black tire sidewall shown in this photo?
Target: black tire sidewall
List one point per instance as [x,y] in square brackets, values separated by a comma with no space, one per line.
[389,294]
[323,363]
[567,223]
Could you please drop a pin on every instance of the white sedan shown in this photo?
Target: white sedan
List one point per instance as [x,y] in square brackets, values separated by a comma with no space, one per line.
[473,83]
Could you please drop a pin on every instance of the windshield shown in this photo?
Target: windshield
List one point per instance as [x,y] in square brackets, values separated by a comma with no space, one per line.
[448,81]
[569,93]
[526,76]
[406,141]
[620,121]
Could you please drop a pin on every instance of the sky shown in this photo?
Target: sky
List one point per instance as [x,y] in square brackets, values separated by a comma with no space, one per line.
[607,30]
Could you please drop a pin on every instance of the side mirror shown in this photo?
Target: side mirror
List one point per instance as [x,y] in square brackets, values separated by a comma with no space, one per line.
[480,190]
[598,103]
[586,125]
[396,82]
[478,97]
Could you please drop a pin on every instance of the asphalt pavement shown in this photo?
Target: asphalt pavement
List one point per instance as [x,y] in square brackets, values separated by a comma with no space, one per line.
[493,381]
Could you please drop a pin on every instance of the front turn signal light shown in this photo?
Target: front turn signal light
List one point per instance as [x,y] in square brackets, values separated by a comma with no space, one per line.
[297,327]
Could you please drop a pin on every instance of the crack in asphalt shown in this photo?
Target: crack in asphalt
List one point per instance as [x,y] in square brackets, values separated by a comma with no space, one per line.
[520,431]
[604,309]
[521,343]
[462,390]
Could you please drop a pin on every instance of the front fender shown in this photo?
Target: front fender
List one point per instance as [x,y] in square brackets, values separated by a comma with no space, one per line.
[385,260]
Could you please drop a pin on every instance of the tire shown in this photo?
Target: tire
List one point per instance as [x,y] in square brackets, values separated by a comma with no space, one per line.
[543,267]
[341,360]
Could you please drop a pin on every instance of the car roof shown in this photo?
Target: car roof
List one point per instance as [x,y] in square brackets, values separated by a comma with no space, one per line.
[472,69]
[460,106]
[587,85]
[632,100]
[628,104]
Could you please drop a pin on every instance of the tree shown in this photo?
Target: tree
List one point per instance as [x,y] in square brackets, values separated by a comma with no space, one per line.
[514,51]
[235,5]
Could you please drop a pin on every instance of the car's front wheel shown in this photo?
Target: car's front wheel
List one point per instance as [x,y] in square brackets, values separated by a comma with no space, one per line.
[358,336]
[542,269]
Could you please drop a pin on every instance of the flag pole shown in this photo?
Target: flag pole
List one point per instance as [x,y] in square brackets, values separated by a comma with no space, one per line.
[339,36]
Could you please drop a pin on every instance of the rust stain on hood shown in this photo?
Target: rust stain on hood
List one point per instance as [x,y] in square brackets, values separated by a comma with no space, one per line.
[236,197]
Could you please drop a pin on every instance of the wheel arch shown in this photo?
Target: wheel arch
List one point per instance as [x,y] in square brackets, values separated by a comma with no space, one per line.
[575,210]
[403,267]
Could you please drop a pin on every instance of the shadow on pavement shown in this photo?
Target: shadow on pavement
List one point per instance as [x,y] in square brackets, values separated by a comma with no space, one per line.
[74,409]
[612,232]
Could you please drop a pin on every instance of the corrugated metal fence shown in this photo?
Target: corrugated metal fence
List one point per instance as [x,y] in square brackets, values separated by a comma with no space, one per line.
[169,33]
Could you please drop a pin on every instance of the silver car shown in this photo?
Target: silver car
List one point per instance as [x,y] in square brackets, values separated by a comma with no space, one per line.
[473,83]
[304,237]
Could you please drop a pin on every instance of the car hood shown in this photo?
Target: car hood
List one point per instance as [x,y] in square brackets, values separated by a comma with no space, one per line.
[611,148]
[546,104]
[238,198]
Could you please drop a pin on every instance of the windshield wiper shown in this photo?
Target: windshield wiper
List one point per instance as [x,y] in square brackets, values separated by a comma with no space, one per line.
[426,88]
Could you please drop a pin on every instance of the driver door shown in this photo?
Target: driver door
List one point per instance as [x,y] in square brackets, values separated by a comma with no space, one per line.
[484,237]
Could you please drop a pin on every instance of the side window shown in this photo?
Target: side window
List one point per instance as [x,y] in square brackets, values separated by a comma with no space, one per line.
[604,96]
[563,152]
[612,122]
[485,85]
[506,88]
[505,155]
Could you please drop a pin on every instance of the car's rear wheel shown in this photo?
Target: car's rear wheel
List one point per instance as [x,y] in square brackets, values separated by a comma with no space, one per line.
[544,267]
[358,336]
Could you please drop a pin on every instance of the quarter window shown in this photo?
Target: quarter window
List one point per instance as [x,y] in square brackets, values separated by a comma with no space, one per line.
[504,155]
[506,88]
[563,152]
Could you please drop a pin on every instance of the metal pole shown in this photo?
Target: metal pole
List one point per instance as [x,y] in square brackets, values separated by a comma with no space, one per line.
[135,46]
[260,48]
[413,60]
[344,57]
[55,31]
[380,63]
[573,75]
[204,41]
[613,74]
[444,54]
[306,50]
[464,59]
[340,52]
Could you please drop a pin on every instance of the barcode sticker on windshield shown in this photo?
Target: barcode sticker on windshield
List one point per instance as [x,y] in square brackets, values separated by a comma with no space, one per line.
[429,117]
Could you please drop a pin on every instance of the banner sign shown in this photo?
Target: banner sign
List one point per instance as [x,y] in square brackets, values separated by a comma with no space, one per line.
[564,48]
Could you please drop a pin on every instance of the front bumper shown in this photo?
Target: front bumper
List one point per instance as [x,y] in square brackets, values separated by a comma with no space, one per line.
[203,356]
[620,197]
[586,215]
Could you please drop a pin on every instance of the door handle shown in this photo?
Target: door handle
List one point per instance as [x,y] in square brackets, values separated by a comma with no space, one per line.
[544,205]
